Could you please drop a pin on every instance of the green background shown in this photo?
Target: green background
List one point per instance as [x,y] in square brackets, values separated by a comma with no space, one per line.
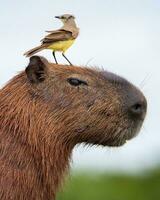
[83,186]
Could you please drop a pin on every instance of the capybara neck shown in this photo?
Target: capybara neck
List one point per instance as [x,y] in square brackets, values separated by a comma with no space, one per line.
[30,145]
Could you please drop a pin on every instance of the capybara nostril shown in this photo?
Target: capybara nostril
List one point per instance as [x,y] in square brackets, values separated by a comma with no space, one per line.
[138,109]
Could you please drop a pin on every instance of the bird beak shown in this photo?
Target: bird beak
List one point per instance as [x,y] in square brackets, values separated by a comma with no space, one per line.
[58,17]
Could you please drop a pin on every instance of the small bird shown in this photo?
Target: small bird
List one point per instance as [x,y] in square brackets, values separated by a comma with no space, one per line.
[59,40]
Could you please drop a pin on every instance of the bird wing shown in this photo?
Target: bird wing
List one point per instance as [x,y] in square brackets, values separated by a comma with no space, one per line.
[55,36]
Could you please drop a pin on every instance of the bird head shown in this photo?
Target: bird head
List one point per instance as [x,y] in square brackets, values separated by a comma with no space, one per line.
[65,18]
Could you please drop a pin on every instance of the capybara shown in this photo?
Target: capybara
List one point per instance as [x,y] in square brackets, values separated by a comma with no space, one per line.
[46,110]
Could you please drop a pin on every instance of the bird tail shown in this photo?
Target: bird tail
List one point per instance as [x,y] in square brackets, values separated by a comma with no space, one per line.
[33,51]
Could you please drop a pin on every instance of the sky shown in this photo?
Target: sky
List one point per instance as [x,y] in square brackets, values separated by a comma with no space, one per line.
[122,36]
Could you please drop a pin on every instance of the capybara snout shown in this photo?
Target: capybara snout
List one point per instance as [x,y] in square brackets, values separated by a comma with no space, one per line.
[94,106]
[133,99]
[133,105]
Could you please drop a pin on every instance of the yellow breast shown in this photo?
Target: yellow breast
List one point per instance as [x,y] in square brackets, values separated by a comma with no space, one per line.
[61,45]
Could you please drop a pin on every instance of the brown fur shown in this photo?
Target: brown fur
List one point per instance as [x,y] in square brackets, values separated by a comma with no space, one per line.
[41,122]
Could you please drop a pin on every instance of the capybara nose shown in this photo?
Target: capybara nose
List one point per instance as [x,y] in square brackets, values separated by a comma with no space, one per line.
[133,100]
[138,107]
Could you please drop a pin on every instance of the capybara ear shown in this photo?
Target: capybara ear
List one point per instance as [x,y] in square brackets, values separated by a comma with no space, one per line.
[36,69]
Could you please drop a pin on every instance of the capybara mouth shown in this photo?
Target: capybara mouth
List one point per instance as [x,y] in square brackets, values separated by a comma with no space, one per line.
[122,136]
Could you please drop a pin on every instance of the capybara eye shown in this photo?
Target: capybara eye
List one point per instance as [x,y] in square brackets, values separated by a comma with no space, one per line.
[76,81]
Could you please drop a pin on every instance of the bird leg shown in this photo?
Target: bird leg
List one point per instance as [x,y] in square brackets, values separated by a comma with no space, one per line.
[55,57]
[66,59]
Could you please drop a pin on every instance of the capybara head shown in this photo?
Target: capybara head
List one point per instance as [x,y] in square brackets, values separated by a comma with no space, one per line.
[93,106]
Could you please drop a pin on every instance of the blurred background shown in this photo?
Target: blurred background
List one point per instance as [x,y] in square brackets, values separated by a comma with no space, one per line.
[122,36]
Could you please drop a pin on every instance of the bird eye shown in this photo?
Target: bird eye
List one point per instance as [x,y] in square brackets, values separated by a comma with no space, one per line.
[76,82]
[62,17]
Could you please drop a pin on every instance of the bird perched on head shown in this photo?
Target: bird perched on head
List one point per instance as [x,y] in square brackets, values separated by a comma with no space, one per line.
[59,40]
